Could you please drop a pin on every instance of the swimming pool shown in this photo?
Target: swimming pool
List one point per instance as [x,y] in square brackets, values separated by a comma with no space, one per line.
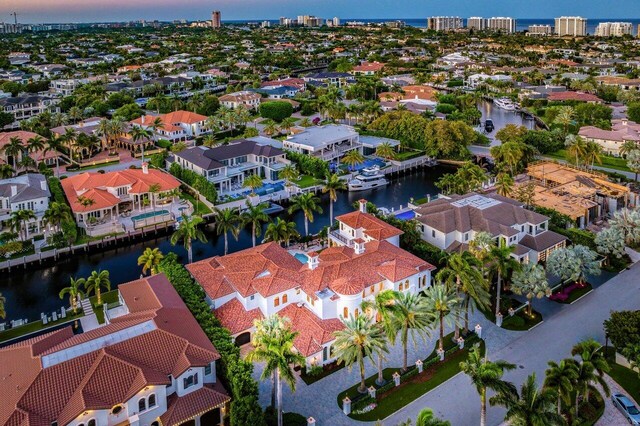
[148,215]
[267,188]
[303,258]
[408,215]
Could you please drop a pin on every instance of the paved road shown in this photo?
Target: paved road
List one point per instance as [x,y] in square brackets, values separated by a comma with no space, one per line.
[457,401]
[484,150]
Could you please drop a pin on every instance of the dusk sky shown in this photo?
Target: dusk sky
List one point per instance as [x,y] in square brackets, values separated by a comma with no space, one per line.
[30,11]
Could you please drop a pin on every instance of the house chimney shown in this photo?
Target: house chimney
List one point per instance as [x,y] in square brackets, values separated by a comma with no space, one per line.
[363,205]
[14,190]
[142,119]
[358,245]
[145,168]
[313,260]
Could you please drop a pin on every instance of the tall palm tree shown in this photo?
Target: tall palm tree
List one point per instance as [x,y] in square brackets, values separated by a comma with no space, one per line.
[35,144]
[227,221]
[565,118]
[287,124]
[361,338]
[140,134]
[427,418]
[187,232]
[410,313]
[56,214]
[461,273]
[353,158]
[289,173]
[533,407]
[576,148]
[560,378]
[309,204]
[96,282]
[504,184]
[480,248]
[275,348]
[443,302]
[254,216]
[280,231]
[270,127]
[332,185]
[592,365]
[74,290]
[150,259]
[18,221]
[383,306]
[252,182]
[501,265]
[54,144]
[14,149]
[6,171]
[385,150]
[486,375]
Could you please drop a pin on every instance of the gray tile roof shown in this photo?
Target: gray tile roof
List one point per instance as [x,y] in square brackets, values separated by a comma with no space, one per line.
[28,187]
[542,241]
[211,158]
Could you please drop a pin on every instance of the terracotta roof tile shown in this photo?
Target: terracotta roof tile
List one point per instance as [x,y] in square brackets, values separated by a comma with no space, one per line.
[180,410]
[234,317]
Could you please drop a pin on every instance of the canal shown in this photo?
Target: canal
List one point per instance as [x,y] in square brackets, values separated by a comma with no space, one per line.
[501,118]
[34,290]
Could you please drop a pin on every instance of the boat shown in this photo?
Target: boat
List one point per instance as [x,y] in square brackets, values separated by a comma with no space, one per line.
[273,208]
[505,103]
[488,125]
[368,178]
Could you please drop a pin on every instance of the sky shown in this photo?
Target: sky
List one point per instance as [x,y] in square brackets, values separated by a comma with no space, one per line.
[36,11]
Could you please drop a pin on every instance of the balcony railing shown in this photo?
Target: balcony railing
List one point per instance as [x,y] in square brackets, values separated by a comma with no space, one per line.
[341,238]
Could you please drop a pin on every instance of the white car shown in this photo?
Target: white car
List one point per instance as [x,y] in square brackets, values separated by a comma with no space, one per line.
[626,407]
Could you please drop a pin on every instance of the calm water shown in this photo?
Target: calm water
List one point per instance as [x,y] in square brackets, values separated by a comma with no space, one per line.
[33,291]
[501,118]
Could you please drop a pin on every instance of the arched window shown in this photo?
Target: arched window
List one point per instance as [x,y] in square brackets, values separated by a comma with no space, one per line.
[152,400]
[345,312]
[81,424]
[276,301]
[284,299]
[91,422]
[116,410]
[357,313]
[142,404]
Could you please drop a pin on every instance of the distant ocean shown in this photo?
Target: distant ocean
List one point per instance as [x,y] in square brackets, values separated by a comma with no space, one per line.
[521,24]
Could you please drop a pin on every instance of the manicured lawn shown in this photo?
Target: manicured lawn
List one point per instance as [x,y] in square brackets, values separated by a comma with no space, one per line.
[625,377]
[305,181]
[35,326]
[199,207]
[413,388]
[407,155]
[521,321]
[578,293]
[615,163]
[108,297]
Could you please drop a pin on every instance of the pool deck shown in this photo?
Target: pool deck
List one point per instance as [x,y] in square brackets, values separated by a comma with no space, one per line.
[173,209]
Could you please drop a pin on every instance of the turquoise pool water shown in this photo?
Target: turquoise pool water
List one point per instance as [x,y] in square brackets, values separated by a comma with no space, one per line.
[408,215]
[144,216]
[301,257]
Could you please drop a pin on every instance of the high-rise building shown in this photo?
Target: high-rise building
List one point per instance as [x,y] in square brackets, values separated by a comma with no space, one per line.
[571,26]
[444,23]
[477,23]
[540,30]
[216,21]
[614,29]
[336,21]
[506,25]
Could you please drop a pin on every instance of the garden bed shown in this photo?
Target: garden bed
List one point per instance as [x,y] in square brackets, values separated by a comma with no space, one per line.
[571,293]
[108,297]
[326,371]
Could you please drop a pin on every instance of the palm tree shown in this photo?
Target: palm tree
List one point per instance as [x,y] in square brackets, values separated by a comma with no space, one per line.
[289,173]
[150,259]
[6,171]
[54,144]
[361,338]
[309,204]
[565,118]
[13,149]
[254,216]
[593,154]
[480,247]
[385,150]
[96,282]
[576,148]
[531,281]
[280,231]
[533,407]
[274,347]
[461,274]
[410,313]
[560,378]
[627,147]
[383,305]
[332,185]
[74,290]
[443,302]
[35,144]
[3,312]
[253,182]
[227,221]
[287,124]
[427,418]
[592,365]
[18,221]
[484,375]
[140,134]
[504,184]
[501,265]
[189,231]
[353,158]
[56,214]
[270,127]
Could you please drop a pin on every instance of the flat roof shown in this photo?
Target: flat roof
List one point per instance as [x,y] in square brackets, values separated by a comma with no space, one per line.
[375,141]
[318,137]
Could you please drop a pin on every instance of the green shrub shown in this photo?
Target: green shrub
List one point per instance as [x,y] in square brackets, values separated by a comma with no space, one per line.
[515,321]
[315,370]
[163,143]
[276,110]
[309,165]
[68,227]
[198,182]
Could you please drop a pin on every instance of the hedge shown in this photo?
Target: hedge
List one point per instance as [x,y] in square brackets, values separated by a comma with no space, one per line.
[309,165]
[232,370]
[277,110]
[68,227]
[198,182]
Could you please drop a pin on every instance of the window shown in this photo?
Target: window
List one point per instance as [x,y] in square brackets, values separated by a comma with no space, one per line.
[190,381]
[92,422]
[116,410]
[142,404]
[345,312]
[276,301]
[207,370]
[357,313]
[152,400]
[433,233]
[284,299]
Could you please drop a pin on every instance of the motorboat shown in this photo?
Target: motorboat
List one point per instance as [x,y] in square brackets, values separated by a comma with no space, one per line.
[368,178]
[488,125]
[505,104]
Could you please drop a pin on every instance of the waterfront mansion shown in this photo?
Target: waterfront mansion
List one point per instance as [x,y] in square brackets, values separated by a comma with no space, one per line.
[25,192]
[329,142]
[149,365]
[314,290]
[450,223]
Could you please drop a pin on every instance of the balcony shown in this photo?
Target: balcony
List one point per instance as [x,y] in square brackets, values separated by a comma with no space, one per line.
[340,238]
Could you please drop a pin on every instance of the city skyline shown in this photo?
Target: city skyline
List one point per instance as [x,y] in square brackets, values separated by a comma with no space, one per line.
[37,11]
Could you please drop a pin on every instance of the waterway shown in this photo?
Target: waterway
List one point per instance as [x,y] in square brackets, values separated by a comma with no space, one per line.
[34,290]
[501,118]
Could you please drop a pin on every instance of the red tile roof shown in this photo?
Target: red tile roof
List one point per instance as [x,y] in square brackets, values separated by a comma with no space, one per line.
[181,410]
[38,394]
[313,332]
[573,96]
[234,317]
[94,186]
[372,226]
[171,119]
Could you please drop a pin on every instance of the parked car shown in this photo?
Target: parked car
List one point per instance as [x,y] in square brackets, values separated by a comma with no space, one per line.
[626,407]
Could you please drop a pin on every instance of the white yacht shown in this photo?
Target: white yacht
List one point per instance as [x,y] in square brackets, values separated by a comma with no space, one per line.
[505,103]
[368,178]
